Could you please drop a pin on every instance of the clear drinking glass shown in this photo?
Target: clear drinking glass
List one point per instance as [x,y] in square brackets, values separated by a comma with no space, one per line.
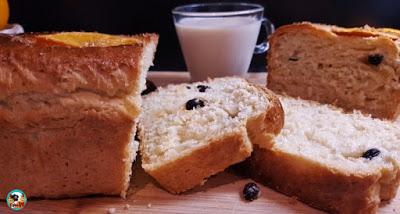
[219,39]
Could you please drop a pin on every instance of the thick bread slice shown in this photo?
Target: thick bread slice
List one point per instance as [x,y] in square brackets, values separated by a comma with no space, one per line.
[353,68]
[180,148]
[317,158]
[68,105]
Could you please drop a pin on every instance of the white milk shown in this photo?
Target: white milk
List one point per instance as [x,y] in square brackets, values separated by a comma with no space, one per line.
[218,46]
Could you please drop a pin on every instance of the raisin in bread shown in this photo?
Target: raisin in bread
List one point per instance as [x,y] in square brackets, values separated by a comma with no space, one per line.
[353,68]
[341,163]
[189,132]
[68,105]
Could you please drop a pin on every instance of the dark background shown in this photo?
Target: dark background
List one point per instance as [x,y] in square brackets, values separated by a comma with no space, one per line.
[133,16]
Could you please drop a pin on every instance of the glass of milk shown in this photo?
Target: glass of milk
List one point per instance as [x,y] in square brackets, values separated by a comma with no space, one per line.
[219,39]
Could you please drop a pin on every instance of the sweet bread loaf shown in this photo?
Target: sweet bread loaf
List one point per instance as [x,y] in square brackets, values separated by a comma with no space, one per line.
[69,103]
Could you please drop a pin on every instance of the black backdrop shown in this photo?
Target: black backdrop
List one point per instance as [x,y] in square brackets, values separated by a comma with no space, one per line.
[133,16]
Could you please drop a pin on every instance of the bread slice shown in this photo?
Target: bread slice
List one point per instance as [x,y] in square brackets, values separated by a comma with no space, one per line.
[353,68]
[68,105]
[189,132]
[317,158]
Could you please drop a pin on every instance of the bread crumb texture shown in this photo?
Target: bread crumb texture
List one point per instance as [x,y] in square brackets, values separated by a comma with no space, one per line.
[326,135]
[171,130]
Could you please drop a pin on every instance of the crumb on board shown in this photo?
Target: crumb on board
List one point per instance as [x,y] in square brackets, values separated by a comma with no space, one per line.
[293,200]
[127,206]
[111,210]
[148,205]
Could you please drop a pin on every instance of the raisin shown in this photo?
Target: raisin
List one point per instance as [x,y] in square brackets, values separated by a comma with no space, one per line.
[194,103]
[251,191]
[375,59]
[150,87]
[371,153]
[202,88]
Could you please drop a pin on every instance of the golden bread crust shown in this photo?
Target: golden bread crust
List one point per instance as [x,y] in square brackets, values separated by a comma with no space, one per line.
[192,170]
[319,186]
[36,65]
[263,128]
[89,157]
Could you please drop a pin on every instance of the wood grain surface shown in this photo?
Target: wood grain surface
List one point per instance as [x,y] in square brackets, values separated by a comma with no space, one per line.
[220,194]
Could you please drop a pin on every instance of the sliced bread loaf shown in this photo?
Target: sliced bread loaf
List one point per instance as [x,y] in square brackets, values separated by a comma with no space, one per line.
[353,68]
[189,132]
[68,104]
[341,163]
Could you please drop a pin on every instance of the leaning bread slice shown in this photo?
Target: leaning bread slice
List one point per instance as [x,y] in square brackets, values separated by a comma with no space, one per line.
[189,132]
[353,68]
[341,163]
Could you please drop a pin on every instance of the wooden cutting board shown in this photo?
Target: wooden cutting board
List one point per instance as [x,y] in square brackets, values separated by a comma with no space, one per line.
[220,194]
